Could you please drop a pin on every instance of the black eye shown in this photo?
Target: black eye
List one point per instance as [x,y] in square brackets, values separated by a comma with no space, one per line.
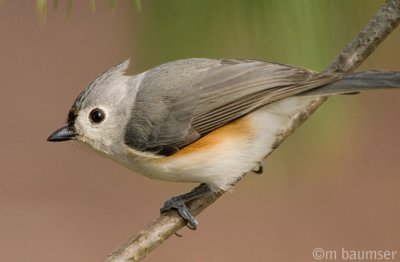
[97,115]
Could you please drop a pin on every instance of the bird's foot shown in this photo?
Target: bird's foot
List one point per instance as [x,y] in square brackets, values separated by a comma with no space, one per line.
[179,203]
[259,169]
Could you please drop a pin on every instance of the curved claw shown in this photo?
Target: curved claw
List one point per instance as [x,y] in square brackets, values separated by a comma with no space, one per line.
[185,214]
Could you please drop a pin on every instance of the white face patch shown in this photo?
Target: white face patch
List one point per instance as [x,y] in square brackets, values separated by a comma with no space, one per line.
[91,133]
[114,104]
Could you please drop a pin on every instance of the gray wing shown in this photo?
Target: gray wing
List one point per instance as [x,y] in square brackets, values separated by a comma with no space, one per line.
[181,101]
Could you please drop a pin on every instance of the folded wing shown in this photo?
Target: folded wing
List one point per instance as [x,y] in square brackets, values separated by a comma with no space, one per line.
[181,101]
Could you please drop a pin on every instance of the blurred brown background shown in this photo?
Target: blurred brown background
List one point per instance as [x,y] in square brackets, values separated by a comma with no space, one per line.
[334,183]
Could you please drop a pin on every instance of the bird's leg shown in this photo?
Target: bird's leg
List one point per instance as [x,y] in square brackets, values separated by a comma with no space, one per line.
[179,203]
[259,169]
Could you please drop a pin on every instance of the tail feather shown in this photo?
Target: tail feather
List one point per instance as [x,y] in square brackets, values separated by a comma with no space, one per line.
[357,82]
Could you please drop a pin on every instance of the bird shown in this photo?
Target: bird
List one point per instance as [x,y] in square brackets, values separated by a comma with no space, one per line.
[200,120]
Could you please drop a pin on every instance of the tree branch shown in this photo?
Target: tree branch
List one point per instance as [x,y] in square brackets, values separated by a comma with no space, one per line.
[384,22]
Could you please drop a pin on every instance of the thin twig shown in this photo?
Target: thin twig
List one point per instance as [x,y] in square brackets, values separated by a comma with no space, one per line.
[384,22]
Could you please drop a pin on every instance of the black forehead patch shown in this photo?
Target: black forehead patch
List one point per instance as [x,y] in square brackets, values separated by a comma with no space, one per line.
[72,114]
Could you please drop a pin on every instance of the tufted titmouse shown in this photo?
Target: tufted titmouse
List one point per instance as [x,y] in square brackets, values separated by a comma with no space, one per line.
[200,120]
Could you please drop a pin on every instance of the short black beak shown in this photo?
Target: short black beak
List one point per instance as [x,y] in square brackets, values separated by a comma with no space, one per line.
[63,134]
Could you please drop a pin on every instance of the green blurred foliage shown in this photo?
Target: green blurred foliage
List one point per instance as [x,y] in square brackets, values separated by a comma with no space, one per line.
[307,33]
[41,7]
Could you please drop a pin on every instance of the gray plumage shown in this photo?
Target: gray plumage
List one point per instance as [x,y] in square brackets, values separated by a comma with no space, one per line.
[178,102]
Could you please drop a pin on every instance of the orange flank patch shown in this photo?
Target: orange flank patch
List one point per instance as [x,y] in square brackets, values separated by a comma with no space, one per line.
[238,128]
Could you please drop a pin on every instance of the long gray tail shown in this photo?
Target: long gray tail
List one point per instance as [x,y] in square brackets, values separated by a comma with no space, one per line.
[357,82]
